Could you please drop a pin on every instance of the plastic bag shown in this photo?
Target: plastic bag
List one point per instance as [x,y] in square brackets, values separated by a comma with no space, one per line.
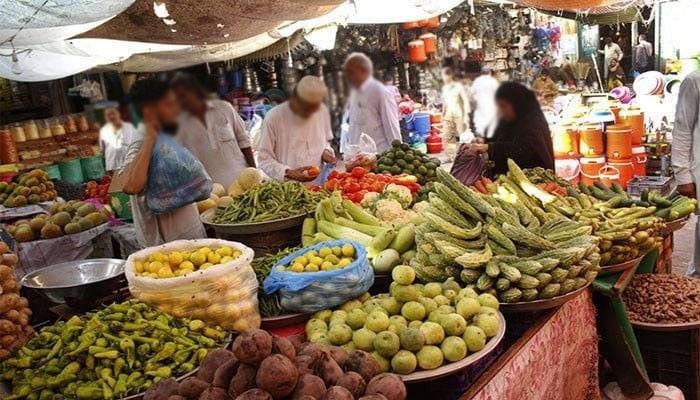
[361,154]
[176,178]
[468,167]
[224,294]
[314,291]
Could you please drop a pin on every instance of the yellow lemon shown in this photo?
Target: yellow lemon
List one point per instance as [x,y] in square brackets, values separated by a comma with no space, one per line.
[344,262]
[296,267]
[138,266]
[186,265]
[185,255]
[301,260]
[224,251]
[316,260]
[204,250]
[236,253]
[324,251]
[311,268]
[165,272]
[232,311]
[337,251]
[182,272]
[197,258]
[331,258]
[311,253]
[206,265]
[213,258]
[326,266]
[154,266]
[348,250]
[175,258]
[226,259]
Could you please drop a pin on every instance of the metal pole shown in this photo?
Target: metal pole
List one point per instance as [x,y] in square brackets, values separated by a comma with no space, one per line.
[594,57]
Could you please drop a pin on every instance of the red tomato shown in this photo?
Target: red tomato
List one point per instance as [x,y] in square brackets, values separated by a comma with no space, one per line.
[358,172]
[331,184]
[351,187]
[355,197]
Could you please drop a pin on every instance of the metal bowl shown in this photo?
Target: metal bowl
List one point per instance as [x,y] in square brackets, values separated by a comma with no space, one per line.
[76,280]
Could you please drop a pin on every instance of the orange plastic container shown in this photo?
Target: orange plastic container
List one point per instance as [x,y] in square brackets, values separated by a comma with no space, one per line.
[435,118]
[616,113]
[619,142]
[416,51]
[430,23]
[639,159]
[620,171]
[411,25]
[591,141]
[590,169]
[430,42]
[635,119]
[565,142]
[568,168]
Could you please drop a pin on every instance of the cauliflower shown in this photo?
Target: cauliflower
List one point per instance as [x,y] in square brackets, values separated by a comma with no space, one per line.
[388,209]
[400,193]
[369,200]
[420,206]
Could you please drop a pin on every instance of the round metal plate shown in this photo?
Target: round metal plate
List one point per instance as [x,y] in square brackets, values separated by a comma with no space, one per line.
[74,273]
[452,368]
[661,327]
[611,269]
[207,219]
[543,304]
[283,321]
[676,224]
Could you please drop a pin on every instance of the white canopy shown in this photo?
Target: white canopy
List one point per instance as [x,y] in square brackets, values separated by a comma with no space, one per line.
[52,55]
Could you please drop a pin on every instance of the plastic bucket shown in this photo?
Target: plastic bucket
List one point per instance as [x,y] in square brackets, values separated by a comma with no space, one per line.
[635,120]
[421,123]
[416,51]
[409,122]
[53,171]
[590,169]
[568,168]
[71,171]
[591,141]
[639,159]
[619,142]
[624,169]
[565,142]
[93,167]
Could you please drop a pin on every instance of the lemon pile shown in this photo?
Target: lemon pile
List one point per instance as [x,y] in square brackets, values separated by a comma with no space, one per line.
[327,258]
[179,263]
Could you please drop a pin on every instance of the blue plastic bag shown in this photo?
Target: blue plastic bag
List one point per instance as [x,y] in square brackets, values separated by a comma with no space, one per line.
[322,177]
[176,178]
[313,291]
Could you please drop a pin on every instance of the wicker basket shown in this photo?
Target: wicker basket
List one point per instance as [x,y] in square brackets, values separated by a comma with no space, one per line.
[673,358]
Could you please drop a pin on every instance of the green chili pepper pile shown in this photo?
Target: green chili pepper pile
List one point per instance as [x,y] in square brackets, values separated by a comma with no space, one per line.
[268,202]
[268,304]
[122,349]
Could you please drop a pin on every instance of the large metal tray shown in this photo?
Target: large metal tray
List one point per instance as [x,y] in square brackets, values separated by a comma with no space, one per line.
[283,321]
[543,304]
[676,224]
[662,327]
[207,218]
[452,368]
[623,266]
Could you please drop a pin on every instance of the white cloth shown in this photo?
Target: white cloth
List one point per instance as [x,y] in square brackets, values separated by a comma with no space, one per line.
[611,51]
[456,104]
[374,111]
[114,143]
[288,141]
[152,230]
[685,152]
[218,144]
[484,94]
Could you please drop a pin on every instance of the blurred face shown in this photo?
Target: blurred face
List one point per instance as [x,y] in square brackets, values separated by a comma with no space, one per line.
[189,100]
[164,111]
[608,40]
[505,110]
[356,74]
[446,77]
[302,108]
[112,116]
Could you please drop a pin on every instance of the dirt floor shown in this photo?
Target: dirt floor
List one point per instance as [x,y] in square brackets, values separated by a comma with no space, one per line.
[683,241]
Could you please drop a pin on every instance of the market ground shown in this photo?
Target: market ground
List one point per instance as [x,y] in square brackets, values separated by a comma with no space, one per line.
[683,247]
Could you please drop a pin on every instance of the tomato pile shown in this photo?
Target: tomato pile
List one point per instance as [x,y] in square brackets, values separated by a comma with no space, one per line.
[98,190]
[356,183]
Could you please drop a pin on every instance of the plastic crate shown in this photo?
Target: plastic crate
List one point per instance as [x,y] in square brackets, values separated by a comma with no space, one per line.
[673,358]
[663,184]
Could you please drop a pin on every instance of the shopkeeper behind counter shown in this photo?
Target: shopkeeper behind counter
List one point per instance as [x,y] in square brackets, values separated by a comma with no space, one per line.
[212,131]
[295,134]
[522,133]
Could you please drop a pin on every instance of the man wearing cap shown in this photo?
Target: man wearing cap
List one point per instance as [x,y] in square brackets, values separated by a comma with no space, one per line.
[373,108]
[295,134]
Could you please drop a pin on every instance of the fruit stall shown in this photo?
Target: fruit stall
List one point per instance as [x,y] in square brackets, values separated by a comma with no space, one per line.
[392,283]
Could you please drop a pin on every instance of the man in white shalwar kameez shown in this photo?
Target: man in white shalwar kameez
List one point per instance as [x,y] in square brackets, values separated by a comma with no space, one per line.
[296,134]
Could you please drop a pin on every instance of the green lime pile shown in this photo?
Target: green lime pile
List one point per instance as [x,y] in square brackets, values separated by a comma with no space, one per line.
[413,327]
[327,258]
[402,159]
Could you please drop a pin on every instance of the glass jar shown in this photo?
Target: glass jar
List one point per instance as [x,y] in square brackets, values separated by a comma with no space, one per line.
[57,127]
[44,126]
[69,124]
[31,132]
[17,132]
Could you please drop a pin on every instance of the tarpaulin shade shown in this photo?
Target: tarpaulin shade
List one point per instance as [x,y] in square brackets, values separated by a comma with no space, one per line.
[580,6]
[198,22]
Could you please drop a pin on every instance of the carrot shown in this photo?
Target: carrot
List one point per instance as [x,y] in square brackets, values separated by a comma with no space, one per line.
[480,187]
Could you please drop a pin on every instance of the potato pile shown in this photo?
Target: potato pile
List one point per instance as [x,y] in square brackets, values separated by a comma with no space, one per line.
[327,258]
[30,188]
[14,310]
[179,263]
[414,327]
[65,218]
[265,367]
